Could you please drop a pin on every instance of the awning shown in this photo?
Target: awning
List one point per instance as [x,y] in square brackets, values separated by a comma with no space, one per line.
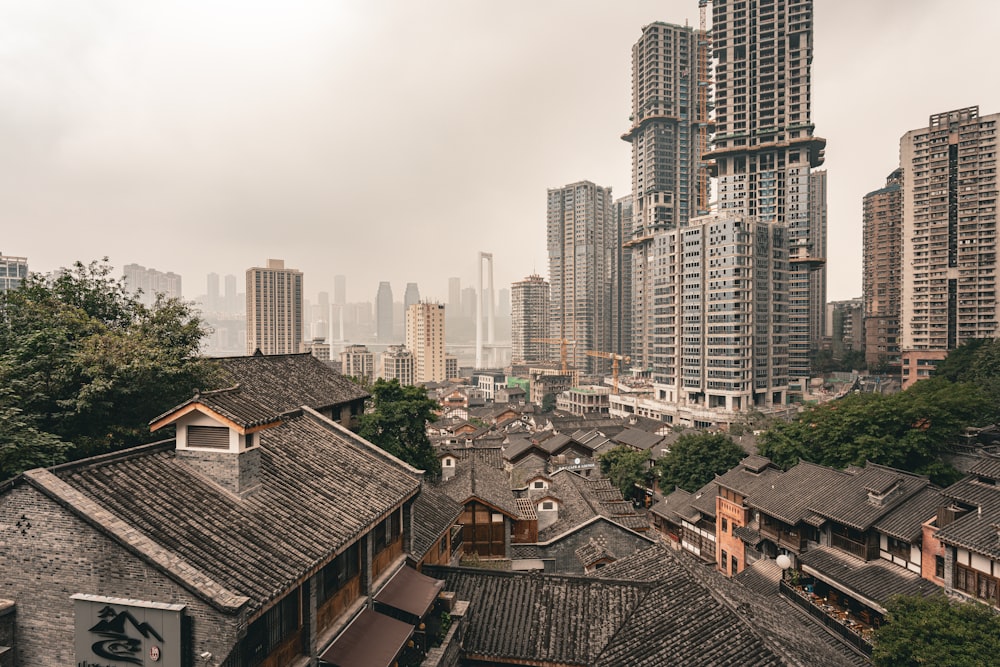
[410,592]
[372,640]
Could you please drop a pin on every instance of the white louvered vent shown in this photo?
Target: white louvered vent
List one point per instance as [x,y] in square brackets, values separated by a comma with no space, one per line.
[208,437]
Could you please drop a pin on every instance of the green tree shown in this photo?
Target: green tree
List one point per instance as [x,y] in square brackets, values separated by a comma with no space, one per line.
[397,422]
[88,364]
[936,631]
[695,459]
[22,445]
[912,430]
[628,469]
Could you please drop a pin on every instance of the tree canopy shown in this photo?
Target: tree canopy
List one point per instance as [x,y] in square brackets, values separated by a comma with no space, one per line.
[628,469]
[398,421]
[85,366]
[695,459]
[937,631]
[911,430]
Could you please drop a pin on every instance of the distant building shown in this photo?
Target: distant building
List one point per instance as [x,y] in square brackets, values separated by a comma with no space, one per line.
[589,399]
[12,271]
[580,232]
[340,290]
[410,297]
[383,313]
[317,347]
[846,326]
[357,361]
[621,281]
[397,364]
[425,339]
[883,265]
[450,366]
[529,319]
[151,283]
[455,295]
[950,183]
[274,309]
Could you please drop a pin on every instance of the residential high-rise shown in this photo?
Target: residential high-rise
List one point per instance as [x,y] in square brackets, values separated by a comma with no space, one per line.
[13,270]
[340,290]
[580,238]
[274,309]
[454,295]
[670,78]
[621,281]
[817,279]
[529,320]
[213,301]
[383,313]
[949,286]
[883,265]
[152,283]
[410,297]
[397,364]
[425,339]
[763,147]
[233,303]
[357,361]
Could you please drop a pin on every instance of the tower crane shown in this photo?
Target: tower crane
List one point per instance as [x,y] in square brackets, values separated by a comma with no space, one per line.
[562,343]
[615,358]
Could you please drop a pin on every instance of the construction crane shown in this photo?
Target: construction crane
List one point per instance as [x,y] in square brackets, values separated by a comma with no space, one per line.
[562,343]
[615,358]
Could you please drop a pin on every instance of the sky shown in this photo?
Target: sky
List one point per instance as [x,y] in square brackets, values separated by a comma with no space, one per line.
[395,139]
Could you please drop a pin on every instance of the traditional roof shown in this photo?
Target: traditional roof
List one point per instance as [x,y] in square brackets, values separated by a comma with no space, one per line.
[233,404]
[791,496]
[287,381]
[594,550]
[904,522]
[979,529]
[434,513]
[762,576]
[987,467]
[583,499]
[852,506]
[479,480]
[672,504]
[638,438]
[749,475]
[873,582]
[321,488]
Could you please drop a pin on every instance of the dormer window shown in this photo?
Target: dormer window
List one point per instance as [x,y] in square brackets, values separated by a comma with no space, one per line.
[208,437]
[548,505]
[538,485]
[449,462]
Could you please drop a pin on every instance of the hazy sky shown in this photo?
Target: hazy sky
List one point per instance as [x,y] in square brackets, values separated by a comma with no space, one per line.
[394,139]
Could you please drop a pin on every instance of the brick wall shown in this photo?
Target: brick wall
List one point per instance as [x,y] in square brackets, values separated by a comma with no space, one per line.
[236,472]
[41,566]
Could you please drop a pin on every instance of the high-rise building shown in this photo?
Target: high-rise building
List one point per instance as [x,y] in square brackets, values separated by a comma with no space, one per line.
[383,313]
[763,147]
[454,295]
[357,361]
[213,300]
[274,309]
[397,364]
[410,297]
[883,265]
[670,181]
[621,281]
[949,287]
[503,301]
[529,320]
[13,270]
[580,238]
[425,339]
[817,278]
[340,290]
[151,283]
[233,300]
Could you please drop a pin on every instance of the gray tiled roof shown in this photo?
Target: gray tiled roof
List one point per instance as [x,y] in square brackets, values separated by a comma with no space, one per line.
[670,506]
[977,530]
[904,521]
[988,467]
[321,487]
[638,438]
[875,580]
[791,496]
[289,381]
[850,505]
[234,404]
[762,577]
[477,479]
[749,475]
[434,513]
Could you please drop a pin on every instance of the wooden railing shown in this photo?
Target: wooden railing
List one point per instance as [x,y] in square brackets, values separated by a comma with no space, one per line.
[858,549]
[831,623]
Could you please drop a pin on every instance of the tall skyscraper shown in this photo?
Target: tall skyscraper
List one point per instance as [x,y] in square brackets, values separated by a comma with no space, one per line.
[882,273]
[454,295]
[340,290]
[529,320]
[383,313]
[580,237]
[622,280]
[151,283]
[410,297]
[212,297]
[950,185]
[764,148]
[13,270]
[670,181]
[274,309]
[233,299]
[425,339]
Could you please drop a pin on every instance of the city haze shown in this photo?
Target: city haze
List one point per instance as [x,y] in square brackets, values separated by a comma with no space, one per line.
[393,140]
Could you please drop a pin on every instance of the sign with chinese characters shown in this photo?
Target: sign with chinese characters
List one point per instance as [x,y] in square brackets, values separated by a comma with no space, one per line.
[116,632]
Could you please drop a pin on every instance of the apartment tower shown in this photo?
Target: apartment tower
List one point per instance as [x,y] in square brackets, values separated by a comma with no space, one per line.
[949,290]
[151,283]
[580,238]
[668,135]
[764,149]
[882,273]
[425,339]
[357,361]
[274,309]
[529,320]
[383,312]
[13,270]
[397,364]
[621,281]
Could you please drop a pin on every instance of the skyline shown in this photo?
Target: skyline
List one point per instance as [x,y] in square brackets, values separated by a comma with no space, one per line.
[255,132]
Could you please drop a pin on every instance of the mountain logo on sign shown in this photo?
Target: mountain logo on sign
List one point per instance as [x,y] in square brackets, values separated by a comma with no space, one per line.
[118,645]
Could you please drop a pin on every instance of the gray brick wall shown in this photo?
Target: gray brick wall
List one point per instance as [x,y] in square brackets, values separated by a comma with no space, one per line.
[239,473]
[41,566]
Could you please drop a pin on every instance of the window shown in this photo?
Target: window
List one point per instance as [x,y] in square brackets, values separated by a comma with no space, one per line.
[977,584]
[386,532]
[340,570]
[268,631]
[899,548]
[939,567]
[725,525]
[548,505]
[538,485]
[208,437]
[724,561]
[449,462]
